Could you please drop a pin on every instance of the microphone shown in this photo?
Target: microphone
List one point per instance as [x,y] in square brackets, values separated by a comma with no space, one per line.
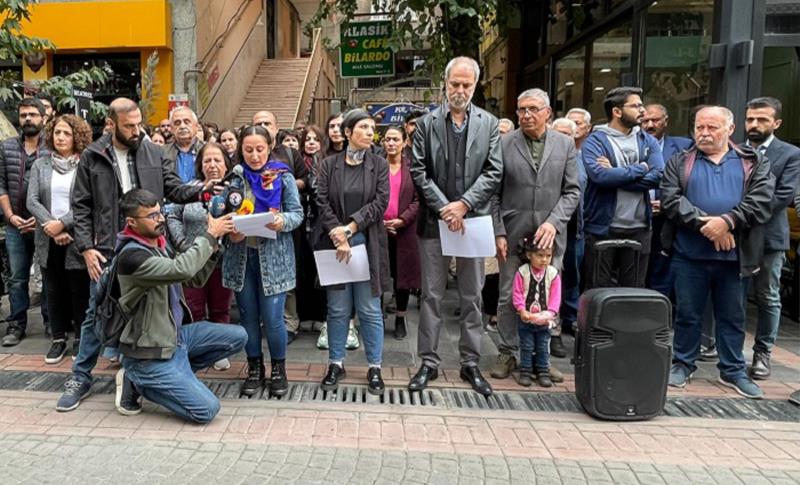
[216,206]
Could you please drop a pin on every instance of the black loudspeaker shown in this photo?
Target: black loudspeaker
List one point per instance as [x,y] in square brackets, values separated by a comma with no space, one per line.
[623,353]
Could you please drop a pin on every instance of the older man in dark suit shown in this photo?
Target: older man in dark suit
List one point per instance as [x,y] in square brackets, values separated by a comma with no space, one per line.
[456,166]
[539,192]
[762,118]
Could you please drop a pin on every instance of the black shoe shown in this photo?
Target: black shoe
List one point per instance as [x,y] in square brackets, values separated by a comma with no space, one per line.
[525,377]
[375,381]
[255,376]
[557,347]
[14,336]
[57,351]
[543,376]
[128,400]
[400,331]
[472,374]
[794,398]
[290,337]
[709,354]
[331,380]
[760,370]
[278,385]
[420,380]
[76,346]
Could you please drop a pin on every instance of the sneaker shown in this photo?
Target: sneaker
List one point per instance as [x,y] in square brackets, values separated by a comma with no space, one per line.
[352,339]
[76,346]
[14,336]
[75,391]
[322,341]
[57,351]
[128,400]
[709,354]
[503,366]
[491,325]
[744,386]
[222,364]
[679,375]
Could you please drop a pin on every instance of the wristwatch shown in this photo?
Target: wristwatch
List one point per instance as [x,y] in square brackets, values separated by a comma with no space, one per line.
[348,233]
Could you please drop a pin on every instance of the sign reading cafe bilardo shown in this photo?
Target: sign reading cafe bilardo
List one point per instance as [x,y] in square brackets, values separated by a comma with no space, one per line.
[364,49]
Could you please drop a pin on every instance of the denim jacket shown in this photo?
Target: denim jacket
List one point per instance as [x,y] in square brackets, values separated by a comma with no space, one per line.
[276,255]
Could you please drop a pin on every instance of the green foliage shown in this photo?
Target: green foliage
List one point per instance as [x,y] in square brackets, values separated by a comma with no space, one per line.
[13,44]
[62,87]
[150,84]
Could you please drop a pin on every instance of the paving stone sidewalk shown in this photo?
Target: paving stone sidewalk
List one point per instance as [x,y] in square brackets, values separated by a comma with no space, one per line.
[275,442]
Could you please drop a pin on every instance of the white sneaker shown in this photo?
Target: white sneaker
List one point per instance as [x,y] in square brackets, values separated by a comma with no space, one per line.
[352,339]
[322,341]
[222,364]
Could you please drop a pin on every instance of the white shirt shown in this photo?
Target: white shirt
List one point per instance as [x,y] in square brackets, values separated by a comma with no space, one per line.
[60,188]
[122,167]
[764,146]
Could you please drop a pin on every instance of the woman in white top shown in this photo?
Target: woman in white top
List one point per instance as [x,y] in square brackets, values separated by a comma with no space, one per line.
[49,194]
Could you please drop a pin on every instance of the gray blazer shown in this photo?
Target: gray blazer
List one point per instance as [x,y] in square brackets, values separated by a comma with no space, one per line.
[784,162]
[38,203]
[528,198]
[483,167]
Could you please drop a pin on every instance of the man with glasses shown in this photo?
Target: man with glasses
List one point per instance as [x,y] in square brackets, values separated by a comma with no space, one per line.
[539,192]
[623,163]
[17,155]
[115,164]
[183,150]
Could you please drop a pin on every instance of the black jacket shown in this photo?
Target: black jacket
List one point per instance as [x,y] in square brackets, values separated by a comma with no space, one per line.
[97,191]
[748,217]
[14,173]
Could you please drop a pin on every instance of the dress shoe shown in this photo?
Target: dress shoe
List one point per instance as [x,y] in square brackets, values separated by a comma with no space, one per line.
[400,331]
[557,347]
[331,380]
[375,384]
[473,375]
[760,369]
[421,378]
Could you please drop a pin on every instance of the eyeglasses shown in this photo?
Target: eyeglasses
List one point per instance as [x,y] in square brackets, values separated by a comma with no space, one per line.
[153,216]
[638,106]
[529,110]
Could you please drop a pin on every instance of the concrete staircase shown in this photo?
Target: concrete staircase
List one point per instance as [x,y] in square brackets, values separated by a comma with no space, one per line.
[277,87]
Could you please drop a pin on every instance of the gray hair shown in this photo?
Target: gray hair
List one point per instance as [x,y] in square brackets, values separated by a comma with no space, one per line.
[728,114]
[535,93]
[659,107]
[183,108]
[472,63]
[506,121]
[587,117]
[566,122]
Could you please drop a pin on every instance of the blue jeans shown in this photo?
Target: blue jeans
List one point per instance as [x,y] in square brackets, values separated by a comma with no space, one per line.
[89,349]
[370,319]
[694,281]
[571,282]
[20,257]
[533,339]
[768,298]
[172,382]
[255,308]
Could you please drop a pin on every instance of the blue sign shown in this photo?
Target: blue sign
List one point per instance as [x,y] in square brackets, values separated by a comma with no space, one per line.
[395,113]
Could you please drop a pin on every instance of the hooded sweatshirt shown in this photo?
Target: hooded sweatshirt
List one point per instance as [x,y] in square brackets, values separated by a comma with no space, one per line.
[630,211]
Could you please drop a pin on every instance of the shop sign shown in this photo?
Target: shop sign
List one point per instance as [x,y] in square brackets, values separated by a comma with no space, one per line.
[364,49]
[83,103]
[395,113]
[176,100]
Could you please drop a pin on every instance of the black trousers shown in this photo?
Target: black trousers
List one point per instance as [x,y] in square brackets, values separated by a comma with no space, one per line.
[401,295]
[490,294]
[67,293]
[617,266]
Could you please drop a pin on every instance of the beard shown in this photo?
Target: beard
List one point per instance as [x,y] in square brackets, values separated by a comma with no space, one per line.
[629,121]
[756,136]
[132,142]
[161,228]
[30,129]
[459,102]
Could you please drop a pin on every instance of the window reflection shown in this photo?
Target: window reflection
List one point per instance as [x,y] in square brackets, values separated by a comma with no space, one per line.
[611,66]
[569,81]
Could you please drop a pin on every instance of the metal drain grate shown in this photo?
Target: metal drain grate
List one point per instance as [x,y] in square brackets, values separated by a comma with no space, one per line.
[691,407]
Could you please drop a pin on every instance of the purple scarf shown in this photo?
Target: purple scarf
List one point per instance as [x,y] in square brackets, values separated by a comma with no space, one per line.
[266,185]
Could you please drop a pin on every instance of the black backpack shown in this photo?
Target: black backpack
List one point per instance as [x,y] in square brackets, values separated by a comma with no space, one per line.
[109,318]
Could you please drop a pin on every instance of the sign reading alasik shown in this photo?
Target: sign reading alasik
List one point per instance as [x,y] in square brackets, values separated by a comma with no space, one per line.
[364,49]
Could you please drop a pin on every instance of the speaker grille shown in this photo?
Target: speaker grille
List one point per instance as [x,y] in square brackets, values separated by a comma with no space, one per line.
[599,336]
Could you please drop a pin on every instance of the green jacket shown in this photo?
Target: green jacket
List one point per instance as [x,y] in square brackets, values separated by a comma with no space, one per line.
[145,276]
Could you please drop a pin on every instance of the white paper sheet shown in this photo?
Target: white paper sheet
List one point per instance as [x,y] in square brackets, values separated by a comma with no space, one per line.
[476,242]
[253,224]
[332,272]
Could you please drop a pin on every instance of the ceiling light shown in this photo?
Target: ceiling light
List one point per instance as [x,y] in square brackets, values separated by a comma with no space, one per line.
[599,88]
[605,69]
[569,83]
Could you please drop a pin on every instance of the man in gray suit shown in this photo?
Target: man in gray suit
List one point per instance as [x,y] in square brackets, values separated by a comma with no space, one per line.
[539,192]
[763,117]
[456,166]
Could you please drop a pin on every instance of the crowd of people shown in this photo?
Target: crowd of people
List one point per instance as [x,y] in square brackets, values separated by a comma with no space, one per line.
[704,218]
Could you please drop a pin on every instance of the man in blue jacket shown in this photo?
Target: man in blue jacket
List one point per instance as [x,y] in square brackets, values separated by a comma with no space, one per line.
[623,163]
[656,121]
[762,118]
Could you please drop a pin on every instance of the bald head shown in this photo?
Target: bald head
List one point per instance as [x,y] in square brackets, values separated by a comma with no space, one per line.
[267,120]
[121,105]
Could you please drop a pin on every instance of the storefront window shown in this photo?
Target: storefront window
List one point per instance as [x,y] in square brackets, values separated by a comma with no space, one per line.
[783,17]
[611,66]
[568,18]
[780,80]
[676,72]
[569,81]
[124,82]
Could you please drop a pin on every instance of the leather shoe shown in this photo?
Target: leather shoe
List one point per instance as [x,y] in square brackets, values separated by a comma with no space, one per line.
[420,380]
[331,380]
[760,369]
[473,375]
[557,348]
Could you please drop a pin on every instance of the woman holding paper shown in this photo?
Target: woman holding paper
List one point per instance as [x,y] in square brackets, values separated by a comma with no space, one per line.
[212,302]
[400,220]
[352,196]
[261,270]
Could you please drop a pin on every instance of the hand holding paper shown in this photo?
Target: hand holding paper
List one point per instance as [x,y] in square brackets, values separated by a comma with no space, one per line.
[476,240]
[255,225]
